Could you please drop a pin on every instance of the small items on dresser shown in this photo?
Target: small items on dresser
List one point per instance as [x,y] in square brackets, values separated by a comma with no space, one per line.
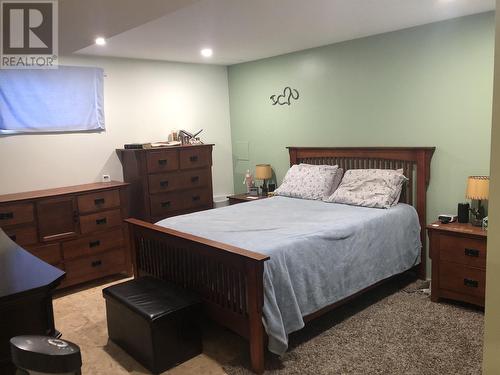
[458,253]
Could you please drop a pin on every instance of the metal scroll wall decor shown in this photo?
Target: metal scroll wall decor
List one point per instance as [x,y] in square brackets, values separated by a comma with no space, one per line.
[286,97]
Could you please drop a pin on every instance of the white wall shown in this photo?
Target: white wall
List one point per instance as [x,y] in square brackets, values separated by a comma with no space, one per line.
[144,101]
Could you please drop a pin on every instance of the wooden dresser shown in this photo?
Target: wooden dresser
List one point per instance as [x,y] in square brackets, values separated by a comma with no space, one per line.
[458,253]
[168,181]
[78,229]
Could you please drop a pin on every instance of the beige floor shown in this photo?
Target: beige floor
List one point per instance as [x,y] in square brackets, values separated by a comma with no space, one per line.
[81,318]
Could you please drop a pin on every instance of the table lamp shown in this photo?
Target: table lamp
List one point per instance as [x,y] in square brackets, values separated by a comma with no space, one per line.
[263,172]
[478,188]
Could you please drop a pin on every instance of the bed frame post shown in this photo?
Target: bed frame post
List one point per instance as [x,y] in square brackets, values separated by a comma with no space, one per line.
[255,277]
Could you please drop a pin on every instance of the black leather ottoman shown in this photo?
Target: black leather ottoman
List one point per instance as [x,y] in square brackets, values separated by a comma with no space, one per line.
[154,321]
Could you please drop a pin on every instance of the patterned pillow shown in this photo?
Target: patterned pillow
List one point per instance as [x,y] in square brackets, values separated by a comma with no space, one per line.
[308,181]
[379,188]
[339,172]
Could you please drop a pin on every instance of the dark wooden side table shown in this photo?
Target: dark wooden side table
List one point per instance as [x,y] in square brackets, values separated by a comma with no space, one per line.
[26,287]
[458,253]
[241,198]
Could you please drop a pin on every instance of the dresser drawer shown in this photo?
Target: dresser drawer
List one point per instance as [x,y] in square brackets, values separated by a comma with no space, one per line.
[194,157]
[17,213]
[164,204]
[91,245]
[50,253]
[25,235]
[92,267]
[162,161]
[195,178]
[164,182]
[196,198]
[464,250]
[100,221]
[462,279]
[98,201]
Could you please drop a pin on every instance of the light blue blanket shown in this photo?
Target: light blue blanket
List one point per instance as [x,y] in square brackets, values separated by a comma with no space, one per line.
[320,252]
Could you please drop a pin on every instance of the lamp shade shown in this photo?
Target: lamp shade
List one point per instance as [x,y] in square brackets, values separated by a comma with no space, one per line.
[478,187]
[263,172]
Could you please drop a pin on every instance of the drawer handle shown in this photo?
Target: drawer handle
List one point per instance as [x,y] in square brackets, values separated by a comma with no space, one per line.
[6,215]
[99,201]
[162,161]
[471,252]
[96,263]
[193,158]
[101,221]
[94,243]
[13,237]
[165,204]
[196,198]
[471,283]
[195,179]
[163,183]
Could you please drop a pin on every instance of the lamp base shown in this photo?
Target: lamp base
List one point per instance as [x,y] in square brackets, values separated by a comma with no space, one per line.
[264,188]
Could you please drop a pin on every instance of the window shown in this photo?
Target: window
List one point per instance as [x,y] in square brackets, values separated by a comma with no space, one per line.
[66,99]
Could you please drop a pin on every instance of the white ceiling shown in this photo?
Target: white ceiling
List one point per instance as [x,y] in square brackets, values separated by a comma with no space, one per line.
[245,30]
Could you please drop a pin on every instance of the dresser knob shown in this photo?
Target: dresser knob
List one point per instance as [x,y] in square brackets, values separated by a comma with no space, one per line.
[195,179]
[96,263]
[163,183]
[162,161]
[101,221]
[165,204]
[94,243]
[193,158]
[99,201]
[471,283]
[6,215]
[471,252]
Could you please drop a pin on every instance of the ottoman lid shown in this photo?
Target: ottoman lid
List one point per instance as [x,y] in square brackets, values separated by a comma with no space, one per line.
[45,354]
[150,297]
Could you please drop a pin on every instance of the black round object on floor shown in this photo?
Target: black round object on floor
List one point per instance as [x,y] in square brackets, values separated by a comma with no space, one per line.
[45,354]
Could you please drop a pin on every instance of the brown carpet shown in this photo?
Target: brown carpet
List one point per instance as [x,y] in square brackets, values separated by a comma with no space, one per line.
[393,330]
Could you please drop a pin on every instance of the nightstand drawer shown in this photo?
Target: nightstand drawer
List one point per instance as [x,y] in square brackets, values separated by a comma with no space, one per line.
[462,279]
[464,250]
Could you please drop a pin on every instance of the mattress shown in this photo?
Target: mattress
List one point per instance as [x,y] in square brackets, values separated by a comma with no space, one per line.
[319,252]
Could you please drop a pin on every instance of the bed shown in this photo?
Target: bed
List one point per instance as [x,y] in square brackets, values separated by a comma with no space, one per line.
[233,259]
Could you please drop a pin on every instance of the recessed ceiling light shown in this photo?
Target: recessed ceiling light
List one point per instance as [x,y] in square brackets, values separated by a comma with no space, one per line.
[100,41]
[207,52]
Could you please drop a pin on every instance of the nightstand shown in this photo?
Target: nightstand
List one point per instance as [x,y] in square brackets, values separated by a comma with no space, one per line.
[458,253]
[241,198]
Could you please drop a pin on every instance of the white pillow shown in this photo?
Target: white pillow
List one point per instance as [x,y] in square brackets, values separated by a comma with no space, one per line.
[379,188]
[308,181]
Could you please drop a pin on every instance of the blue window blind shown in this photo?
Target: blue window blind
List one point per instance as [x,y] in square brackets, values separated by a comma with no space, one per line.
[67,99]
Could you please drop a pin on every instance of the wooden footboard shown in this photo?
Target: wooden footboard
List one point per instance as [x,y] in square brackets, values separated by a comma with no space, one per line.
[229,279]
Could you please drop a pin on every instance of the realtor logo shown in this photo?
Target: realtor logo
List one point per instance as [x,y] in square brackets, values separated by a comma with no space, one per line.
[29,34]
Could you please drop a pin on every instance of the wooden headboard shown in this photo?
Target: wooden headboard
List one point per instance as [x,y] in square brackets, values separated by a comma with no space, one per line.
[415,162]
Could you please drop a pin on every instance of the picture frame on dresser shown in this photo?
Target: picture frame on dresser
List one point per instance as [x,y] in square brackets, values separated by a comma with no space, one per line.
[78,229]
[458,254]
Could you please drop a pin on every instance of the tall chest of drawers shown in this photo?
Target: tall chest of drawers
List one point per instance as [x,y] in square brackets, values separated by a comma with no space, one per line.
[78,229]
[168,181]
[458,253]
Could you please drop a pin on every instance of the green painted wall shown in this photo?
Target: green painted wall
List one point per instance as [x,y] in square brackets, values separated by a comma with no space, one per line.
[426,86]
